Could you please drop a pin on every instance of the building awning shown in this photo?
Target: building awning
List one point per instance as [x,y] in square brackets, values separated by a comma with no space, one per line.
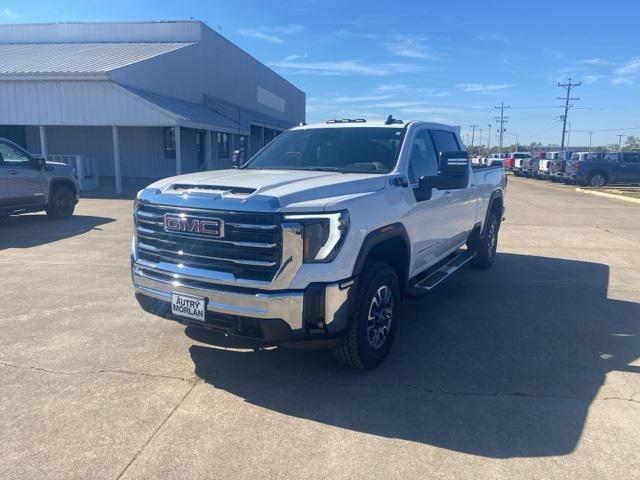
[192,115]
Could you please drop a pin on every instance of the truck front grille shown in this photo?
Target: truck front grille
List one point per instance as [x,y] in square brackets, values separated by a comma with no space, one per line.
[250,247]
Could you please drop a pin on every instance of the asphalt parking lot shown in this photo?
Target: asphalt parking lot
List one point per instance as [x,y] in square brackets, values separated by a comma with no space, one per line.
[528,370]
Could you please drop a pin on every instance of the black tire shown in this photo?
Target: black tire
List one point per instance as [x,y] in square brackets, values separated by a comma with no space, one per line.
[486,248]
[62,203]
[375,322]
[597,179]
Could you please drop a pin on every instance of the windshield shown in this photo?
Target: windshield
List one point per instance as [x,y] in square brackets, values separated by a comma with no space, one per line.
[356,150]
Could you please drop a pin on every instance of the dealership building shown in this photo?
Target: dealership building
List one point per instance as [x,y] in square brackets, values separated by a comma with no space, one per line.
[130,102]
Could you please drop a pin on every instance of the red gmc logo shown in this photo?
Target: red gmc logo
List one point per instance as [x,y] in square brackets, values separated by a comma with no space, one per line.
[182,223]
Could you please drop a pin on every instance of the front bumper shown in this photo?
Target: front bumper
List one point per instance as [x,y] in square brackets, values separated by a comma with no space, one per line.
[317,315]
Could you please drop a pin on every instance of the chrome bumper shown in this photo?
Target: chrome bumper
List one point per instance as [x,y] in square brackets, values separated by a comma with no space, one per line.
[284,305]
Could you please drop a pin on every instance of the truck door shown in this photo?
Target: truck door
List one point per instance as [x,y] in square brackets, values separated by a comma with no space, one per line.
[23,179]
[461,203]
[427,221]
[629,168]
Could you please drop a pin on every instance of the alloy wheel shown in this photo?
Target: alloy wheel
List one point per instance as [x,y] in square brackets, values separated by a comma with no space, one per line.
[380,317]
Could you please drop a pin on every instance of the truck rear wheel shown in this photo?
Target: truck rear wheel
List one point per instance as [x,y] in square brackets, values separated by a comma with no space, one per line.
[486,248]
[597,179]
[61,203]
[374,324]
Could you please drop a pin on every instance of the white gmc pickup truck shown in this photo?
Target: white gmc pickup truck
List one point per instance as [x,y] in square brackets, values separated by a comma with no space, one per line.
[317,238]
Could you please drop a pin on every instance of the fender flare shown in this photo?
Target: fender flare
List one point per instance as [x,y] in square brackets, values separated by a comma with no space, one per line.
[61,181]
[495,196]
[376,237]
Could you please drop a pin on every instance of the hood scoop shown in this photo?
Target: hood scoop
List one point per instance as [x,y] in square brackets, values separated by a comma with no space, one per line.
[180,187]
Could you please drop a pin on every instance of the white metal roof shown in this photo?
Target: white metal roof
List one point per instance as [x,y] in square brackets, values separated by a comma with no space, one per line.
[81,58]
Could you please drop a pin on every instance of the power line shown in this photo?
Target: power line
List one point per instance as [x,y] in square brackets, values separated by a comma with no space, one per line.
[568,87]
[609,130]
[502,120]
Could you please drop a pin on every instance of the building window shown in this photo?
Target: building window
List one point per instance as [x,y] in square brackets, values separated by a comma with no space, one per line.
[169,143]
[222,141]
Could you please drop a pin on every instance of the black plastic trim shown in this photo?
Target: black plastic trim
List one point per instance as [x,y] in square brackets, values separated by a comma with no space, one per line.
[497,194]
[378,236]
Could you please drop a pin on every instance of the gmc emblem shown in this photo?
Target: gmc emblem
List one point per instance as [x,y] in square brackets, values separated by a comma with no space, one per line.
[182,223]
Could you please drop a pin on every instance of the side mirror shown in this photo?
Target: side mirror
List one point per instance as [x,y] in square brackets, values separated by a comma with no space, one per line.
[442,182]
[453,163]
[39,162]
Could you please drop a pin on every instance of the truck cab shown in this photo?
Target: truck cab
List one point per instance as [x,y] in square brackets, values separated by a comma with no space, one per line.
[317,238]
[29,183]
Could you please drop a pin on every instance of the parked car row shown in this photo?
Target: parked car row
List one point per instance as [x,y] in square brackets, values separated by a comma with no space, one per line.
[579,168]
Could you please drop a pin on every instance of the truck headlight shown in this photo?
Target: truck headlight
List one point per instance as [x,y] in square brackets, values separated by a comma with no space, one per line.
[323,234]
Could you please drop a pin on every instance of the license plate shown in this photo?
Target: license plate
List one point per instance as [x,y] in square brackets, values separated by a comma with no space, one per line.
[188,306]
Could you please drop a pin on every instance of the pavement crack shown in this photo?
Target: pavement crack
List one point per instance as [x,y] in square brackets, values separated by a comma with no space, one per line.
[96,372]
[158,428]
[622,399]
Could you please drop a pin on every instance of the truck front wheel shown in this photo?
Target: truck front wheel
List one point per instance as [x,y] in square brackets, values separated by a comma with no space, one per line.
[374,324]
[62,203]
[486,248]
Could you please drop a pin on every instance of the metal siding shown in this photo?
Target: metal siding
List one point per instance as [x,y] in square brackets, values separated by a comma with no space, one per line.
[74,103]
[93,142]
[177,75]
[33,139]
[214,67]
[189,153]
[142,153]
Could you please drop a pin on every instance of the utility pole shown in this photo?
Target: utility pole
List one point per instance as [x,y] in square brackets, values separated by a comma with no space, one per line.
[502,119]
[489,139]
[620,142]
[568,135]
[590,135]
[473,134]
[568,87]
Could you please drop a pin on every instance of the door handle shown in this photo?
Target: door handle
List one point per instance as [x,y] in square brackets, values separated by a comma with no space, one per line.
[12,172]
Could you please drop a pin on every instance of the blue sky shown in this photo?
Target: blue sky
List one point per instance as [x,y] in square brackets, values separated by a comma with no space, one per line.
[440,61]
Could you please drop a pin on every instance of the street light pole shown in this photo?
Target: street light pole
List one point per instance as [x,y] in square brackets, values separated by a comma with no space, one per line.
[489,139]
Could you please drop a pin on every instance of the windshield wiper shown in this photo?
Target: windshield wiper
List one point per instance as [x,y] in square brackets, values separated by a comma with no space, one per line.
[320,169]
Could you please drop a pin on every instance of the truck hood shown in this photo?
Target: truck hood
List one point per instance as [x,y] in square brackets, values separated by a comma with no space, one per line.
[261,190]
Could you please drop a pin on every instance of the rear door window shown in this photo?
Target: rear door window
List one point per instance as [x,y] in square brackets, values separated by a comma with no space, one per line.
[631,157]
[445,141]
